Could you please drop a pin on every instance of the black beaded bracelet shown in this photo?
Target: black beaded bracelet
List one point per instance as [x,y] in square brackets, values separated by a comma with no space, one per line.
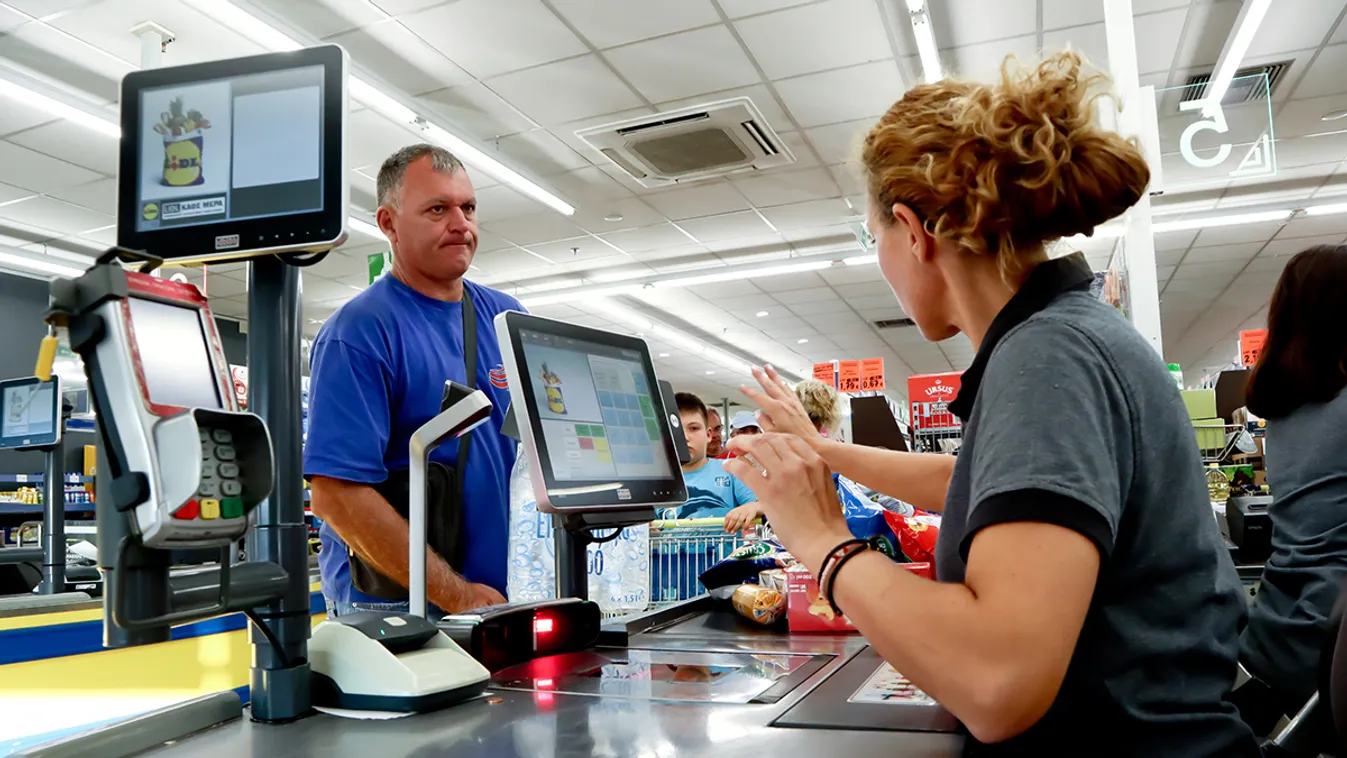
[830,561]
[832,575]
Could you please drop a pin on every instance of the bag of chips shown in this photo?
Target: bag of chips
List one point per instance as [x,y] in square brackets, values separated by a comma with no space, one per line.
[761,604]
[917,534]
[743,565]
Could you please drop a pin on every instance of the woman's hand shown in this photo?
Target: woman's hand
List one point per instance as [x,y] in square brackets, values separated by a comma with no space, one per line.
[742,517]
[795,491]
[781,409]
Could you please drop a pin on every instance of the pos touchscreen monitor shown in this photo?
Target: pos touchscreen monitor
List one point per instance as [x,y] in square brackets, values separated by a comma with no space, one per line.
[231,158]
[31,412]
[591,418]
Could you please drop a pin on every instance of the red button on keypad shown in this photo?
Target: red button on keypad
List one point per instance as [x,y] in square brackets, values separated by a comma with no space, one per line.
[188,510]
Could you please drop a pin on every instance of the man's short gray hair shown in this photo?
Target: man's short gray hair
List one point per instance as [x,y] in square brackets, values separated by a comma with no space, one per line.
[395,167]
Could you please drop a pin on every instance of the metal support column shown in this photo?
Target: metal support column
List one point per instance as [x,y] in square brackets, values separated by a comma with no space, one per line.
[53,517]
[279,693]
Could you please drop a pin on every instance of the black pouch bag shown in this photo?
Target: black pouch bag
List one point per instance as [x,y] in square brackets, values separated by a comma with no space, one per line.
[444,492]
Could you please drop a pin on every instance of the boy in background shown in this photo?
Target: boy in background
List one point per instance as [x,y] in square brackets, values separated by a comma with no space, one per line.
[712,491]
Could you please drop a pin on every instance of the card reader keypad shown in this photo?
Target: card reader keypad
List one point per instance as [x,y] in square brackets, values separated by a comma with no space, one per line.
[219,493]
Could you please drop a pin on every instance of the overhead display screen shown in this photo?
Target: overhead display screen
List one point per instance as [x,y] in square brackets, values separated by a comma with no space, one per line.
[228,158]
[229,149]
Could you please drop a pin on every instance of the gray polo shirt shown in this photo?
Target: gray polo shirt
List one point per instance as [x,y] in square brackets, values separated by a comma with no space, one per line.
[1288,622]
[1071,418]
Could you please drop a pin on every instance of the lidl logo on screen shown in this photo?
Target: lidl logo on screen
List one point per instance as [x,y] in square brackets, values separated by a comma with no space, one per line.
[498,377]
[206,206]
[150,212]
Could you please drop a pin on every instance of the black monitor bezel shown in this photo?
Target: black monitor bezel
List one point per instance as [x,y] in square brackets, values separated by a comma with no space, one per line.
[571,494]
[46,440]
[198,243]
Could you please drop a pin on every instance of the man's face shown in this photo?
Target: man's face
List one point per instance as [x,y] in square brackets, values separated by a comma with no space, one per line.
[715,431]
[746,430]
[434,228]
[694,429]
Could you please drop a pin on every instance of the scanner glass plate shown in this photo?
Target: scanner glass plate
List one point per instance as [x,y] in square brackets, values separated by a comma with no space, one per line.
[660,675]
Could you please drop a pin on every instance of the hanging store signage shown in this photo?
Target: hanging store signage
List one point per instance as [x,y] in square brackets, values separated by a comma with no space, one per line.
[872,374]
[1251,345]
[849,376]
[379,263]
[826,373]
[1205,143]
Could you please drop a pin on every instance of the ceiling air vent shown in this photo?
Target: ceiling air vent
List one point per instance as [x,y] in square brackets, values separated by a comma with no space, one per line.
[894,323]
[1246,86]
[691,143]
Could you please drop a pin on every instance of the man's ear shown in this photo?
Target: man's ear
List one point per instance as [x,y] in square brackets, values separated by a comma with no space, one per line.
[384,218]
[919,241]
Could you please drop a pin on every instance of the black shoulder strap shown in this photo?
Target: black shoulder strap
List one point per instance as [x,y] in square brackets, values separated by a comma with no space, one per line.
[470,377]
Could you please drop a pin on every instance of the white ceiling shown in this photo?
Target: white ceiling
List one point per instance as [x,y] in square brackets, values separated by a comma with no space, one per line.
[522,76]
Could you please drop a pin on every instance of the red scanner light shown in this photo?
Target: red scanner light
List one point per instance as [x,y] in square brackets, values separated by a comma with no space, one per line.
[542,625]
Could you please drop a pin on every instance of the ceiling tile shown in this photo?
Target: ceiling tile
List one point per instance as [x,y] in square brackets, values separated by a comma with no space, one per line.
[1229,235]
[741,8]
[1325,76]
[847,94]
[1061,13]
[513,261]
[477,110]
[1293,25]
[1236,252]
[15,115]
[588,185]
[816,37]
[1211,274]
[1175,240]
[1293,245]
[372,138]
[474,34]
[399,7]
[839,143]
[1157,38]
[813,213]
[58,215]
[1315,226]
[577,249]
[788,282]
[982,62]
[9,193]
[630,211]
[69,142]
[541,153]
[537,227]
[968,22]
[698,199]
[40,173]
[765,246]
[707,60]
[726,226]
[324,18]
[648,238]
[501,202]
[790,187]
[1090,41]
[867,289]
[396,54]
[566,90]
[608,23]
[818,294]
[1198,49]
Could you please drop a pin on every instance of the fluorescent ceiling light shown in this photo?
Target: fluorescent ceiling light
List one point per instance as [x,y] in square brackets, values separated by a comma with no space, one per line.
[1326,210]
[38,265]
[920,17]
[734,276]
[1251,14]
[761,314]
[51,106]
[639,323]
[364,227]
[235,17]
[860,260]
[1219,221]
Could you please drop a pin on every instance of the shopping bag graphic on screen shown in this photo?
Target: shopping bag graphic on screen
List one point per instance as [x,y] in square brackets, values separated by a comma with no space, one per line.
[552,385]
[184,144]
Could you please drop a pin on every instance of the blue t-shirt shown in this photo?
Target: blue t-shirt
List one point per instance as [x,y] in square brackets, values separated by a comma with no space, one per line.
[713,492]
[378,369]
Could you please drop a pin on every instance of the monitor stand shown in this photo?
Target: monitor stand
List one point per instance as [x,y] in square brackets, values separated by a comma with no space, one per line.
[573,533]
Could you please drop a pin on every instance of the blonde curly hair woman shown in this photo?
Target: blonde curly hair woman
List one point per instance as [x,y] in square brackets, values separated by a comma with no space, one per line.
[823,405]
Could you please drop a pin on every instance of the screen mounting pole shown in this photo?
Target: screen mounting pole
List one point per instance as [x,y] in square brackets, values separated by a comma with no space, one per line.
[279,534]
[53,506]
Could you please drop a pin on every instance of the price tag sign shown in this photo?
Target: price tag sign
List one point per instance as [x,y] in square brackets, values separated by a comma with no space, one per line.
[824,373]
[1250,345]
[872,374]
[849,376]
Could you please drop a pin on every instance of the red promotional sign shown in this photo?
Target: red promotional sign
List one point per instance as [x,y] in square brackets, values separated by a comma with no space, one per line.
[849,376]
[824,373]
[872,374]
[1251,344]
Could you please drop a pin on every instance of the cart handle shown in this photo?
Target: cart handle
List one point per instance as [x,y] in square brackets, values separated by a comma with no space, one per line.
[686,522]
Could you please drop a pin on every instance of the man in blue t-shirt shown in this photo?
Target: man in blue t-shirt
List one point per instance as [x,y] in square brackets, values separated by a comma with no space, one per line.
[712,491]
[379,366]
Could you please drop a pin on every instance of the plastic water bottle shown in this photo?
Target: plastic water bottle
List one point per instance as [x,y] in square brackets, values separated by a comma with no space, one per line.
[619,570]
[1176,374]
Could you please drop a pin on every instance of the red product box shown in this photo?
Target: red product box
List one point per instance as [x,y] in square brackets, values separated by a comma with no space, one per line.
[808,611]
[930,396]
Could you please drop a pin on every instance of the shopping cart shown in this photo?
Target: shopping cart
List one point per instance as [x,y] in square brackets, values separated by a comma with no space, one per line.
[680,550]
[1216,443]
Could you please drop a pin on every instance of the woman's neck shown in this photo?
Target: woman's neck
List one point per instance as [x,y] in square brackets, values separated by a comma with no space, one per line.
[978,292]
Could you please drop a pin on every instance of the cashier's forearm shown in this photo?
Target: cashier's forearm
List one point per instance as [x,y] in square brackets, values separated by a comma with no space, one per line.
[375,531]
[920,479]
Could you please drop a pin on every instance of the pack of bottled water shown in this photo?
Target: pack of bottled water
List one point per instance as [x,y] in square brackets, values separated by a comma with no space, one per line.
[619,570]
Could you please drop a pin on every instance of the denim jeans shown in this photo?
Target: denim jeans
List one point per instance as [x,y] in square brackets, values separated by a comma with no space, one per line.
[335,609]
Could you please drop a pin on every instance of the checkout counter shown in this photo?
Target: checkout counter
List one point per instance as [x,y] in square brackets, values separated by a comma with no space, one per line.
[690,680]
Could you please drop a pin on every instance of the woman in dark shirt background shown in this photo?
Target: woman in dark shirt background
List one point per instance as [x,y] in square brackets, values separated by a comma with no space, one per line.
[1297,385]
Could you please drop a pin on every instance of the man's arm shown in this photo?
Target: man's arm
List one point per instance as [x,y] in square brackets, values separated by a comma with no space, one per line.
[921,479]
[374,530]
